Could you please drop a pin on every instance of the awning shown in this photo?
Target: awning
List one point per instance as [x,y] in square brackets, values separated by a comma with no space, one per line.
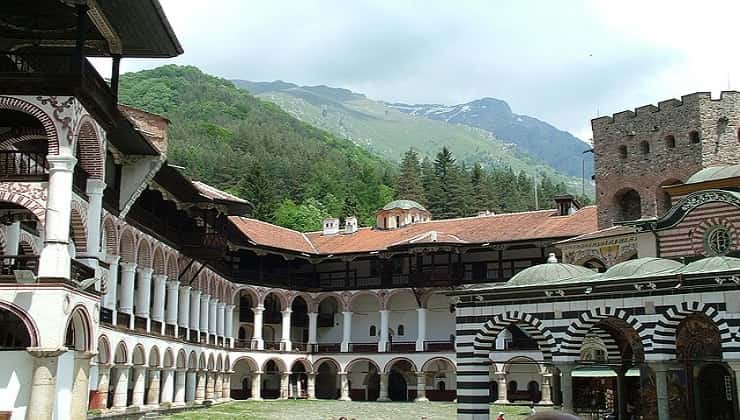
[601,372]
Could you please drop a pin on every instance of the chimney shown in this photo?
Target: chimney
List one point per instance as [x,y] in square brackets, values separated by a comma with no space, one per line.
[350,224]
[331,226]
[566,204]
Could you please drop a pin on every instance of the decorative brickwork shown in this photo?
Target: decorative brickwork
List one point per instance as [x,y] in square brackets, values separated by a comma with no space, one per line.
[13,137]
[637,152]
[32,196]
[78,226]
[89,149]
[16,104]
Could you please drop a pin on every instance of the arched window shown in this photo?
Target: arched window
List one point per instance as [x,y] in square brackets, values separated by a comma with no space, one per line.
[694,137]
[373,331]
[628,204]
[670,142]
[644,147]
[401,330]
[623,151]
[512,386]
[441,386]
[242,333]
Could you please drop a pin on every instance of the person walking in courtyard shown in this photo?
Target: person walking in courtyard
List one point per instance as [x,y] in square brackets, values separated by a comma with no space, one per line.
[500,415]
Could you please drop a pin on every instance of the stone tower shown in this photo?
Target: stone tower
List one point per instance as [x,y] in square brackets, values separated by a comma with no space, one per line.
[638,152]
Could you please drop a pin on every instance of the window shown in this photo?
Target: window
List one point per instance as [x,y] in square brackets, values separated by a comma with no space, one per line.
[440,386]
[401,330]
[694,137]
[644,147]
[623,151]
[670,142]
[373,331]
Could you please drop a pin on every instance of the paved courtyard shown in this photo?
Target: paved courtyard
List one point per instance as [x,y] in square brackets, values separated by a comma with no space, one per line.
[323,410]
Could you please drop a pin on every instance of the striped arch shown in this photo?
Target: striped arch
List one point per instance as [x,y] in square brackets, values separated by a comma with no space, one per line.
[89,149]
[172,271]
[35,206]
[13,137]
[127,246]
[78,226]
[573,339]
[111,236]
[158,261]
[485,340]
[665,332]
[27,243]
[144,253]
[610,345]
[50,130]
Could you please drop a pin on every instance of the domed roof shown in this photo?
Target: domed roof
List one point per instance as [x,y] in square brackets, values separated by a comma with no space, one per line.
[403,205]
[715,172]
[550,272]
[642,267]
[711,265]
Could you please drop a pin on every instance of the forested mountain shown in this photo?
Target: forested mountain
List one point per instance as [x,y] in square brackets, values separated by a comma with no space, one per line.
[296,174]
[389,132]
[251,148]
[558,148]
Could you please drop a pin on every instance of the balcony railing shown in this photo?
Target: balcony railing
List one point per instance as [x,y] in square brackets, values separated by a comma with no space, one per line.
[439,346]
[11,263]
[403,347]
[363,347]
[22,166]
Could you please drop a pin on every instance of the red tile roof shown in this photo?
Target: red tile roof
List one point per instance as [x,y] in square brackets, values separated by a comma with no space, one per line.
[543,224]
[603,233]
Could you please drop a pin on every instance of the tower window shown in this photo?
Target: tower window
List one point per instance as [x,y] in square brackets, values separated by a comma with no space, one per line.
[670,142]
[644,147]
[623,151]
[373,331]
[694,136]
[401,330]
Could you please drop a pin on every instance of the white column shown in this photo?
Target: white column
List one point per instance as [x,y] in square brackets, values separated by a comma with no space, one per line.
[128,277]
[311,386]
[220,318]
[546,389]
[143,292]
[195,310]
[80,385]
[200,387]
[180,387]
[173,292]
[346,331]
[313,318]
[421,387]
[160,293]
[55,259]
[502,391]
[120,393]
[284,385]
[94,191]
[167,385]
[256,386]
[229,327]
[204,299]
[257,342]
[190,381]
[109,300]
[566,386]
[383,392]
[212,316]
[12,238]
[137,396]
[421,315]
[285,340]
[344,387]
[383,342]
[152,394]
[183,313]
[661,388]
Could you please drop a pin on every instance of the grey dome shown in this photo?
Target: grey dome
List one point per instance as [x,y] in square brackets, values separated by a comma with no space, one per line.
[551,272]
[403,205]
[642,267]
[715,172]
[712,265]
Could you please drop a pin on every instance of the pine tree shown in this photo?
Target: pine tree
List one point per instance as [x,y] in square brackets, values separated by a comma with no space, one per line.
[481,197]
[440,185]
[461,192]
[410,185]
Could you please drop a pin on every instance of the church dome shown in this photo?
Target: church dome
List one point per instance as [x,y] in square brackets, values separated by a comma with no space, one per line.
[642,267]
[403,205]
[550,272]
[712,265]
[715,172]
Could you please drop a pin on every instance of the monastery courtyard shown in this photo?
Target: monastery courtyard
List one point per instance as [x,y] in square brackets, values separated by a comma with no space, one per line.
[325,409]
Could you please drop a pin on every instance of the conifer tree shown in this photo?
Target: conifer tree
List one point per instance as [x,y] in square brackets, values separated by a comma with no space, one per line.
[410,185]
[481,198]
[440,185]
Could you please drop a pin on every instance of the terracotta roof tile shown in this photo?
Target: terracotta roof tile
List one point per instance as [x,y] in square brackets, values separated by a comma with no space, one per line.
[603,233]
[266,234]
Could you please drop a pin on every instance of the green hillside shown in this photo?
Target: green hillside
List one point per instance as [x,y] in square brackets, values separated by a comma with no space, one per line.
[389,132]
[294,173]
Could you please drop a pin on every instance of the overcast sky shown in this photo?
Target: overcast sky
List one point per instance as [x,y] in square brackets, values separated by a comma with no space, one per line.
[561,61]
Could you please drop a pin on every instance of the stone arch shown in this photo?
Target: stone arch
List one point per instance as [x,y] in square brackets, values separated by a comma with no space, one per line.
[121,355]
[158,261]
[358,360]
[426,364]
[485,340]
[395,292]
[664,335]
[193,360]
[172,271]
[302,361]
[306,298]
[27,244]
[227,363]
[181,362]
[627,203]
[13,137]
[138,356]
[127,246]
[37,206]
[154,357]
[103,356]
[13,310]
[219,363]
[15,104]
[144,254]
[78,332]
[278,296]
[354,297]
[211,362]
[506,367]
[202,361]
[390,363]
[278,362]
[576,332]
[89,149]
[329,360]
[168,361]
[253,365]
[337,298]
[78,226]
[111,236]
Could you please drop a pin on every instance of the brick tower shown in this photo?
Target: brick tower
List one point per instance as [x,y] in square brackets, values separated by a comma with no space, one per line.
[638,152]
